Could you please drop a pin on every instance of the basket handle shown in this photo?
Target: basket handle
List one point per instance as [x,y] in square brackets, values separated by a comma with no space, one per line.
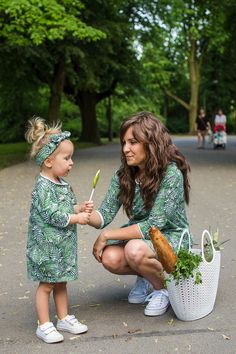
[185,232]
[205,234]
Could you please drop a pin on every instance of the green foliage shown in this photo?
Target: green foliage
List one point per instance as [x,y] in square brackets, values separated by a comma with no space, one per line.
[25,22]
[142,47]
[187,267]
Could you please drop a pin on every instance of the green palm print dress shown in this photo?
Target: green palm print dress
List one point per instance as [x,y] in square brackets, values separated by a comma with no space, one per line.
[52,242]
[168,212]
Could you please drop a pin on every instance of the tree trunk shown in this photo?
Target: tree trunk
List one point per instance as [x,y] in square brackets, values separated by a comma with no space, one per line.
[165,105]
[109,119]
[194,70]
[87,103]
[56,89]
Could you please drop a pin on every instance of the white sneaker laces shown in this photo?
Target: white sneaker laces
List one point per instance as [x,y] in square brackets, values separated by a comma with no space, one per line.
[157,297]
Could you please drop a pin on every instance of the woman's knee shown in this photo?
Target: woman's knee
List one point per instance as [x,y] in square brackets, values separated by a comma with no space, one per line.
[136,251]
[113,258]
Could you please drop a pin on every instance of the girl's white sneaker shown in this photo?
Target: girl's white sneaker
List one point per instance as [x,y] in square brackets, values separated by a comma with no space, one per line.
[72,325]
[48,333]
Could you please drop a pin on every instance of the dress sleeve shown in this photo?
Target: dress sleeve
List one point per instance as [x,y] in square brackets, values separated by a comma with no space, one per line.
[48,207]
[110,204]
[168,199]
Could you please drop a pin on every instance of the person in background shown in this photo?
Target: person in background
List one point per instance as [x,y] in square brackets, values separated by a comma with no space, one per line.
[52,239]
[202,126]
[220,121]
[152,186]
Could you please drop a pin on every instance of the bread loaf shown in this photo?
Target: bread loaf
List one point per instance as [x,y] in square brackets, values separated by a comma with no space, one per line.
[163,249]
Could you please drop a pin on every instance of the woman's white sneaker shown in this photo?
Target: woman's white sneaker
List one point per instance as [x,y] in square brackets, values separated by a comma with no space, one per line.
[140,291]
[48,333]
[158,303]
[72,325]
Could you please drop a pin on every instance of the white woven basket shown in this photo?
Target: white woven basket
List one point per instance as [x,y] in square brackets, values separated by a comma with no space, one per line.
[193,301]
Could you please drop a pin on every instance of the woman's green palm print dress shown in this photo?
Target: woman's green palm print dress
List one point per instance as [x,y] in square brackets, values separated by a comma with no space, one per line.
[52,243]
[168,212]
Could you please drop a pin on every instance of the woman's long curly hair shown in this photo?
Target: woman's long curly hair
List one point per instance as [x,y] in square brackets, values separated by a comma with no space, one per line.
[159,150]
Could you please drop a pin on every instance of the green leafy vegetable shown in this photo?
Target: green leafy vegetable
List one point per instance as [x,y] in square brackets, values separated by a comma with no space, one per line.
[187,267]
[208,252]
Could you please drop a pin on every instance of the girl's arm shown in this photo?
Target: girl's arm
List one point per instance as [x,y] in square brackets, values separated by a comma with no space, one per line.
[80,218]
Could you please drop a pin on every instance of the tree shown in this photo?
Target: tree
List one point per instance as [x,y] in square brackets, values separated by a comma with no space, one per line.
[98,67]
[49,31]
[192,28]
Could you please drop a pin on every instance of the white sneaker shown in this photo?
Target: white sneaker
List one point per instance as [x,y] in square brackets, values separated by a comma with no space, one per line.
[72,325]
[48,333]
[158,303]
[140,291]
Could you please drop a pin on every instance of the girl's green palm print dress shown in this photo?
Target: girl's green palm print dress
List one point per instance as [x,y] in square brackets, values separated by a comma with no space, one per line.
[52,242]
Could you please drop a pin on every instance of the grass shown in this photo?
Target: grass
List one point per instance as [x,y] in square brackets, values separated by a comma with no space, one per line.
[13,153]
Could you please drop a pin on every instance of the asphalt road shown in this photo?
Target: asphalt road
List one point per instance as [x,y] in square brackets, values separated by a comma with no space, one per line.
[99,298]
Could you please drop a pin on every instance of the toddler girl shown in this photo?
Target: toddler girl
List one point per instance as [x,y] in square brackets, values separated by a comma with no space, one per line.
[52,239]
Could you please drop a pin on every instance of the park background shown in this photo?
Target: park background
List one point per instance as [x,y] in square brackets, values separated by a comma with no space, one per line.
[90,64]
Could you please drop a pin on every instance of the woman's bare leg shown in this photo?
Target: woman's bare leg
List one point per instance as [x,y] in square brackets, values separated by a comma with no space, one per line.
[135,258]
[113,259]
[143,260]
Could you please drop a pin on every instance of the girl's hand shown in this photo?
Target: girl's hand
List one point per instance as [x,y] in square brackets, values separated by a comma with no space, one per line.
[83,218]
[98,247]
[87,206]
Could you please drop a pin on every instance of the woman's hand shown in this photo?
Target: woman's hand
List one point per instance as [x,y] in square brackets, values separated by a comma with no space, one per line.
[98,247]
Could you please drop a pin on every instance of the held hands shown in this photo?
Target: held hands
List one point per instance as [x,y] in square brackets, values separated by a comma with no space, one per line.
[82,213]
[85,211]
[87,207]
[98,247]
[83,218]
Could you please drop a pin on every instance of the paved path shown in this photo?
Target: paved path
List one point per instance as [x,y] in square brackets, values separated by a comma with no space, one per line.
[100,298]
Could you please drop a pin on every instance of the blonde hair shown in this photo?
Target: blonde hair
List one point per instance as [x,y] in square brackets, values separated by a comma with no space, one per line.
[38,133]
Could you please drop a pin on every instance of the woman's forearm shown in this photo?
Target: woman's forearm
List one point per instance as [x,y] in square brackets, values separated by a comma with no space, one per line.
[123,233]
[95,220]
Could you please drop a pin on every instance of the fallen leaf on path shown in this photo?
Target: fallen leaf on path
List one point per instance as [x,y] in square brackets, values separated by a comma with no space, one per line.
[225,337]
[74,306]
[210,329]
[76,337]
[170,322]
[125,324]
[131,331]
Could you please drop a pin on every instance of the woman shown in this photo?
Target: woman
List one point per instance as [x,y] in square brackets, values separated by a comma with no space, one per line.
[152,186]
[202,125]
